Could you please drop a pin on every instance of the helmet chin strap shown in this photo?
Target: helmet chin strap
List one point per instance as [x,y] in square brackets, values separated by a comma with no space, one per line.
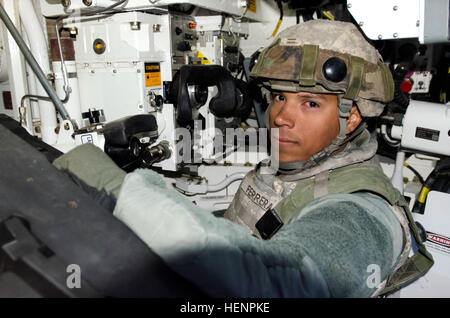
[344,107]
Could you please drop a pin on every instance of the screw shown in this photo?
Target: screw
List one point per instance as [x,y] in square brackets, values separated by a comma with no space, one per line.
[74,31]
[349,5]
[66,126]
[87,2]
[361,23]
[395,35]
[135,25]
[380,36]
[156,27]
[395,8]
[66,3]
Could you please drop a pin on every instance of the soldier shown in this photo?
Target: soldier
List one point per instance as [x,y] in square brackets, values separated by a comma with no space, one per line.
[323,78]
[327,222]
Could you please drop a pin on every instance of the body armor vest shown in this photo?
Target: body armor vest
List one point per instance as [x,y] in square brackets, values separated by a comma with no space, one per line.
[256,200]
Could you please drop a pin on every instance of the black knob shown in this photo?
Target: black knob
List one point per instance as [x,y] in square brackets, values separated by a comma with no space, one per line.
[93,115]
[184,46]
[178,31]
[159,100]
[231,49]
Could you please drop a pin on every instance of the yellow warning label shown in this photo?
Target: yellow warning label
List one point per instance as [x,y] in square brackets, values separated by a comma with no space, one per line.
[151,67]
[252,6]
[152,79]
[152,74]
[204,59]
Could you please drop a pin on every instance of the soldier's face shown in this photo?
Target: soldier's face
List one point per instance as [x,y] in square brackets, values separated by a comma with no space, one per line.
[306,122]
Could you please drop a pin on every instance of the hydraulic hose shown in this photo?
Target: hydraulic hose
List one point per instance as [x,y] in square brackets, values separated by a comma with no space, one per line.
[34,64]
[442,170]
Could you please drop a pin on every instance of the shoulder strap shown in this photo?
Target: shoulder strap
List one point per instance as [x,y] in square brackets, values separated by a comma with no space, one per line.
[415,266]
[354,178]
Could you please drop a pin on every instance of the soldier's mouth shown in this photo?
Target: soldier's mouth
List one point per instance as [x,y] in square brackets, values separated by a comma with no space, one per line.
[286,141]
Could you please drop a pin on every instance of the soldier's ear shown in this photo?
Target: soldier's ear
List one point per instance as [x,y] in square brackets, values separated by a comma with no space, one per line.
[354,119]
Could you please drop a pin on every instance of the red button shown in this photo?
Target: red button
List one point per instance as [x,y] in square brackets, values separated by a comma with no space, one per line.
[406,86]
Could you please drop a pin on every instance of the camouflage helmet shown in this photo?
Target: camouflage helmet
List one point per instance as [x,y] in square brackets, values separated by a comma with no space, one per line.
[322,56]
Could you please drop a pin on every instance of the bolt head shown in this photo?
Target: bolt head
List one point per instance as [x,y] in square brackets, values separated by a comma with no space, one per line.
[66,3]
[156,27]
[74,31]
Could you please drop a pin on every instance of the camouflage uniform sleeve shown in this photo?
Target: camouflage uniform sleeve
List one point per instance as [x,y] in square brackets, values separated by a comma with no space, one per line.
[217,255]
[337,246]
[92,166]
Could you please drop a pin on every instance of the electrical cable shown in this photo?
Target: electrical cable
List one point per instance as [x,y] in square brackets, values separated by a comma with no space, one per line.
[239,19]
[328,15]
[280,6]
[401,98]
[416,173]
[386,138]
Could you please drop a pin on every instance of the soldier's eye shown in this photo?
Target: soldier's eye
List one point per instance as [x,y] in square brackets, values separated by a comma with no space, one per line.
[278,97]
[311,104]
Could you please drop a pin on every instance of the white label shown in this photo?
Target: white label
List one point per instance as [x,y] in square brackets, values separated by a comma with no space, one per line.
[87,139]
[290,42]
